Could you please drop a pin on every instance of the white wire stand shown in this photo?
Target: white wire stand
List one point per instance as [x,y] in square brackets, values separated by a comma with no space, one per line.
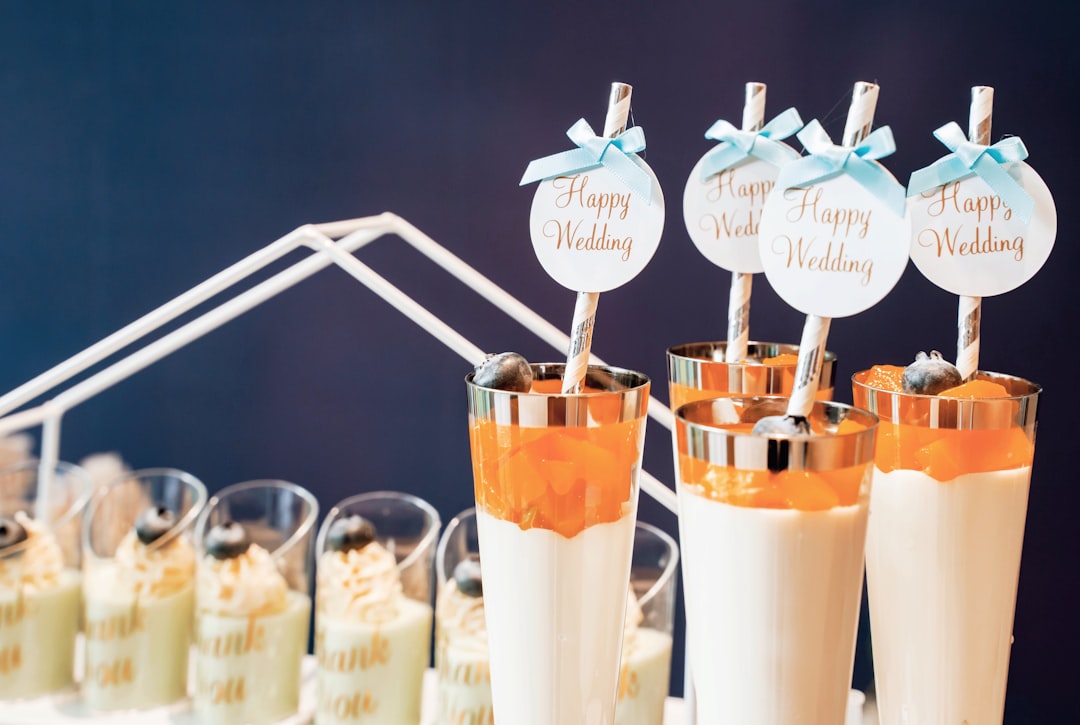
[331,243]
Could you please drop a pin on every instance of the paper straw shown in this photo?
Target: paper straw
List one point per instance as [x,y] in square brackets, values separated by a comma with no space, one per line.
[738,322]
[969,313]
[860,119]
[581,329]
[738,331]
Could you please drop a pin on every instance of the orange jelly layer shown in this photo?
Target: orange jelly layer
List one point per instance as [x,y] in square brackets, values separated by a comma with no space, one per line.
[943,453]
[560,479]
[800,490]
[715,383]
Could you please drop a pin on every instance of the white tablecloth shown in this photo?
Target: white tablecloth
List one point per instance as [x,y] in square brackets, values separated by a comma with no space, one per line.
[69,709]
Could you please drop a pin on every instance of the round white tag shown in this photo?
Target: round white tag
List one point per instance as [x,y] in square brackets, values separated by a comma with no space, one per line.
[591,233]
[967,241]
[722,212]
[832,249]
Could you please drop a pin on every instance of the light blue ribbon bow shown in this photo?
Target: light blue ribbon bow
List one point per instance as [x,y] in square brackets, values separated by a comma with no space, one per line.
[984,161]
[827,160]
[736,144]
[617,154]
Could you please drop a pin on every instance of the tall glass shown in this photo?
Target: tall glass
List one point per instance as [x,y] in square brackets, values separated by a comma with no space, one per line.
[373,613]
[772,532]
[40,583]
[252,602]
[139,594]
[697,371]
[556,483]
[461,651]
[943,552]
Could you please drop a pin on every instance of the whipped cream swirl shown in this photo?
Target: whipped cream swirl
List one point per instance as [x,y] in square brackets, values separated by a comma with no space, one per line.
[39,564]
[245,585]
[461,619]
[359,585]
[146,571]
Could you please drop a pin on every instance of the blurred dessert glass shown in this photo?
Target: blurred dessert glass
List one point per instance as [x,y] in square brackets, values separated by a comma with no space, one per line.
[254,543]
[139,589]
[373,614]
[40,583]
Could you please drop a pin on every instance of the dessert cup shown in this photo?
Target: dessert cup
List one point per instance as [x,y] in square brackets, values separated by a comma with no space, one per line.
[373,613]
[645,676]
[461,643]
[253,608]
[40,583]
[949,501]
[556,494]
[772,532]
[139,598]
[697,371]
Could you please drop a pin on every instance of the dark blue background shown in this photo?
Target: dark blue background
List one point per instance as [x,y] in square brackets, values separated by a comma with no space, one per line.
[145,146]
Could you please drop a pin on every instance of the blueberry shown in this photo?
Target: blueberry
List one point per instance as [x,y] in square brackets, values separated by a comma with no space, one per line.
[352,532]
[227,540]
[782,425]
[930,374]
[153,523]
[467,577]
[12,533]
[505,371]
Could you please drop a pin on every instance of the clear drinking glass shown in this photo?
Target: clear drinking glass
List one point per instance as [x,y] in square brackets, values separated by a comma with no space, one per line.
[252,604]
[373,613]
[772,533]
[556,493]
[40,582]
[139,594]
[950,490]
[461,649]
[698,371]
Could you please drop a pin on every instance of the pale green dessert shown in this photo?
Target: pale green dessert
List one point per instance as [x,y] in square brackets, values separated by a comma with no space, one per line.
[39,611]
[139,610]
[644,679]
[251,633]
[372,643]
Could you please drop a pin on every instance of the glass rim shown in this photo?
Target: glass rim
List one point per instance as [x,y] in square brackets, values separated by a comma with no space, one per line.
[185,521]
[64,468]
[77,507]
[936,412]
[302,530]
[1034,390]
[556,370]
[749,451]
[672,566]
[444,538]
[431,513]
[683,350]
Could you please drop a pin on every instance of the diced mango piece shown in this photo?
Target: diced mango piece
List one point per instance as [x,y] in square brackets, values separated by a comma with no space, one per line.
[886,377]
[801,490]
[561,479]
[976,389]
